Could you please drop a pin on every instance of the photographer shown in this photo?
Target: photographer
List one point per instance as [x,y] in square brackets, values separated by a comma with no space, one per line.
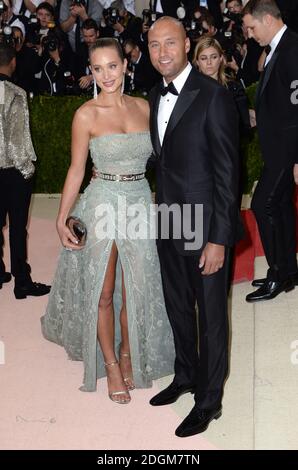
[26,8]
[7,17]
[142,75]
[212,6]
[123,24]
[57,75]
[233,17]
[83,75]
[148,18]
[72,15]
[246,70]
[16,171]
[38,25]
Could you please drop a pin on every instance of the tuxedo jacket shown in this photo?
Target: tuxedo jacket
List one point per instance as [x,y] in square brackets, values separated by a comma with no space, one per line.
[198,160]
[277,105]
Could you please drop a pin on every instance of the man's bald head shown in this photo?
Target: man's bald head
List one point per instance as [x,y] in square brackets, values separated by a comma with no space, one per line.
[168,47]
[168,19]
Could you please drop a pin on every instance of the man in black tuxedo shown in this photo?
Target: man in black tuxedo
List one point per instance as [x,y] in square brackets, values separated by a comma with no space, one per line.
[277,123]
[194,132]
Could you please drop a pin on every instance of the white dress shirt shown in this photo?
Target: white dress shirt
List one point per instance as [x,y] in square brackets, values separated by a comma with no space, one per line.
[274,43]
[167,102]
[159,7]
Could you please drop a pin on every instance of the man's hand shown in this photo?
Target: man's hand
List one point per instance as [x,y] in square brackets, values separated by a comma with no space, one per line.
[55,56]
[296,173]
[212,258]
[118,27]
[73,11]
[85,81]
[82,12]
[145,28]
[78,10]
[233,65]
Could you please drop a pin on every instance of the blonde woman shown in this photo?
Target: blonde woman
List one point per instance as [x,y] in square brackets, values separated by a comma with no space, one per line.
[210,60]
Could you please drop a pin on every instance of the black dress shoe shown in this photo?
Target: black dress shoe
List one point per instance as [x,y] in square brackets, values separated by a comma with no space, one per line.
[269,290]
[260,282]
[32,288]
[197,421]
[171,394]
[4,277]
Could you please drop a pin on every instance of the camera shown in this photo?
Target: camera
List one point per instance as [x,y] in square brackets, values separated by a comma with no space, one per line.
[78,3]
[33,30]
[111,16]
[70,87]
[237,19]
[50,42]
[231,42]
[194,28]
[3,7]
[6,36]
[148,17]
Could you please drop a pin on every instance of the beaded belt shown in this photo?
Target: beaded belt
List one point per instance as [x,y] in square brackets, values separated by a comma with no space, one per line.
[108,177]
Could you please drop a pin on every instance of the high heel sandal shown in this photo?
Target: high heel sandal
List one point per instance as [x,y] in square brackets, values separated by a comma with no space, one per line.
[127,380]
[115,396]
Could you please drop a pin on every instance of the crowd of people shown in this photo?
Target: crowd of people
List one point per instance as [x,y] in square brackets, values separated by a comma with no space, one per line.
[52,38]
[133,308]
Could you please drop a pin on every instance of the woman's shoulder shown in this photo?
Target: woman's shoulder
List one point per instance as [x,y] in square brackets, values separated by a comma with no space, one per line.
[86,110]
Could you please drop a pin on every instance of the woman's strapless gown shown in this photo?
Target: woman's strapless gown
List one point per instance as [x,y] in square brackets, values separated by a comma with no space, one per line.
[72,312]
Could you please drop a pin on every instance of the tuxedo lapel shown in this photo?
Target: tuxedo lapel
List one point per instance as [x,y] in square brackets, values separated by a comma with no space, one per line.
[153,122]
[267,72]
[269,68]
[188,93]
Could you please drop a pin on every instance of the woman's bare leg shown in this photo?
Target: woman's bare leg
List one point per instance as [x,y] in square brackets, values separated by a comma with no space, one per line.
[106,333]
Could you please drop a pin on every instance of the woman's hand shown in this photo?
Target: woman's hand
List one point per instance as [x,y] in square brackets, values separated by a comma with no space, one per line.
[68,240]
[94,173]
[252,118]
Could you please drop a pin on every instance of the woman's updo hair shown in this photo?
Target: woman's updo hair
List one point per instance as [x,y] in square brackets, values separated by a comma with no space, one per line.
[107,42]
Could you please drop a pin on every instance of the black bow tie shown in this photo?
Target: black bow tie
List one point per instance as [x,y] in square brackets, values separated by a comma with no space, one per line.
[168,89]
